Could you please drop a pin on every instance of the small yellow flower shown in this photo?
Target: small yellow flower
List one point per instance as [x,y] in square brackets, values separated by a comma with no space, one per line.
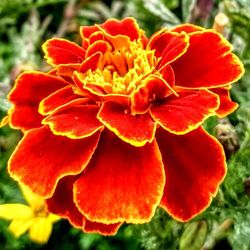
[33,217]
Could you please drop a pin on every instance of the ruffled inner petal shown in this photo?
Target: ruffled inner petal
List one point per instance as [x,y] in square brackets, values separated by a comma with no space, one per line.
[168,45]
[134,129]
[151,89]
[61,51]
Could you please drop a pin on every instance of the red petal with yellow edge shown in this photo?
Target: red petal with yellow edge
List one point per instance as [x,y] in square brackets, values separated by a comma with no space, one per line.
[41,159]
[151,89]
[87,31]
[208,62]
[194,166]
[134,129]
[168,75]
[68,69]
[61,51]
[91,63]
[122,183]
[56,100]
[187,27]
[25,117]
[98,46]
[227,106]
[169,46]
[61,203]
[127,27]
[74,122]
[30,88]
[180,115]
[104,229]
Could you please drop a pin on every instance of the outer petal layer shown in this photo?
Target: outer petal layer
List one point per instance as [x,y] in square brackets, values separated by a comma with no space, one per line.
[134,129]
[187,28]
[180,115]
[121,183]
[42,158]
[29,90]
[61,51]
[194,166]
[61,203]
[208,62]
[74,122]
[104,229]
[227,106]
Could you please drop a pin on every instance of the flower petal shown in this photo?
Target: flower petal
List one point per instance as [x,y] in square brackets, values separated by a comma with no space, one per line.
[134,129]
[57,99]
[50,158]
[19,226]
[24,117]
[127,27]
[121,183]
[75,122]
[104,229]
[150,89]
[98,46]
[61,51]
[15,211]
[40,230]
[194,166]
[168,45]
[91,63]
[118,32]
[187,27]
[35,201]
[29,90]
[213,64]
[227,106]
[180,115]
[61,203]
[67,70]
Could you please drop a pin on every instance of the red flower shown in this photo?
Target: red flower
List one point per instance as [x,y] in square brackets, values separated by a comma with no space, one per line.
[113,131]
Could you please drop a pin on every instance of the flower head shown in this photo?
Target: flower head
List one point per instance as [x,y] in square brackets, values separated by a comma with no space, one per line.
[114,129]
[33,217]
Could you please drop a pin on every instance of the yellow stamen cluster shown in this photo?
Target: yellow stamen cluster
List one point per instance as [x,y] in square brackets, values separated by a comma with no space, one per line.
[123,69]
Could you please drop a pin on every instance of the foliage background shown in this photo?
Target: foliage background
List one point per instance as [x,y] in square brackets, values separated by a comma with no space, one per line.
[25,24]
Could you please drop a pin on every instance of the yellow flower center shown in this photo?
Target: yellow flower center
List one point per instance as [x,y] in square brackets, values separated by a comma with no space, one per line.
[123,69]
[40,211]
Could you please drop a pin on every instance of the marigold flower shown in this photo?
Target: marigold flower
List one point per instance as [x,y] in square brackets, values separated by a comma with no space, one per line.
[33,218]
[114,129]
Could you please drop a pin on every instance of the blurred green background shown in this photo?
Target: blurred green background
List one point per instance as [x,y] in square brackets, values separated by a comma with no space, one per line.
[26,24]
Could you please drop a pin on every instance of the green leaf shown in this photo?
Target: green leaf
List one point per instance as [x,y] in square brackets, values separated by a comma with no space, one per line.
[187,8]
[160,10]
